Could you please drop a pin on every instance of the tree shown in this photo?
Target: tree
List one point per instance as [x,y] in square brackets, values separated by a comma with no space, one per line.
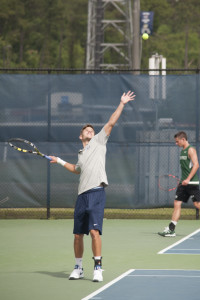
[53,33]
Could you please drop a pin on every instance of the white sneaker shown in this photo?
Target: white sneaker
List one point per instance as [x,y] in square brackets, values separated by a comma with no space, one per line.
[167,232]
[77,273]
[97,276]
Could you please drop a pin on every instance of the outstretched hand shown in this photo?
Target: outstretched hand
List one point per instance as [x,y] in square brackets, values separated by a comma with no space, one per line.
[53,159]
[126,97]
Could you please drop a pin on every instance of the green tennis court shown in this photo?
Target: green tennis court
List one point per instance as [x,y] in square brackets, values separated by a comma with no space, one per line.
[36,256]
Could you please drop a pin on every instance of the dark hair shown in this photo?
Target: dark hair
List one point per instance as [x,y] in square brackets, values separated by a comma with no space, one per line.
[181,135]
[85,126]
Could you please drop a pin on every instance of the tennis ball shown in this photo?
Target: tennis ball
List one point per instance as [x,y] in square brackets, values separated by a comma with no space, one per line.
[145,36]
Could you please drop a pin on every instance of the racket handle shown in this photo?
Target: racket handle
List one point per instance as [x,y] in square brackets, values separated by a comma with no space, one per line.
[47,157]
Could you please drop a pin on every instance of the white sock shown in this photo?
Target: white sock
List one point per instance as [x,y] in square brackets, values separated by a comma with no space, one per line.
[174,222]
[79,262]
[97,257]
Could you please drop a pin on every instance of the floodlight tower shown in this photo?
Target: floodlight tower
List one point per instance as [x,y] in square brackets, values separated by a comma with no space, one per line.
[109,34]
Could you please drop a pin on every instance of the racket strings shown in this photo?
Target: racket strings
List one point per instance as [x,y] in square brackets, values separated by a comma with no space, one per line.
[168,182]
[22,146]
[26,147]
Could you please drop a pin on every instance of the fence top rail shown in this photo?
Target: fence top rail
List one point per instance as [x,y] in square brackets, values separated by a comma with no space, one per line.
[87,71]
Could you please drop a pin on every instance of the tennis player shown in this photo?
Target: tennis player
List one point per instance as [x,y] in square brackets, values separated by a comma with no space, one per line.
[89,208]
[186,189]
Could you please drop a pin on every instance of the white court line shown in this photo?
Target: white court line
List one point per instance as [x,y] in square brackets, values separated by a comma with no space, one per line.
[91,296]
[180,249]
[154,275]
[108,285]
[182,240]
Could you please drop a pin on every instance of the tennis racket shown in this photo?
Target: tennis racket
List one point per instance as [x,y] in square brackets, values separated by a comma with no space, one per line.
[26,147]
[170,182]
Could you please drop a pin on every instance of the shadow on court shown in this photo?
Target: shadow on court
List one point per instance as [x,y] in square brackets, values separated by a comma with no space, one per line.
[54,274]
[62,275]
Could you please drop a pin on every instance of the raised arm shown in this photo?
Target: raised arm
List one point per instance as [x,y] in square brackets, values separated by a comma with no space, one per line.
[65,164]
[125,98]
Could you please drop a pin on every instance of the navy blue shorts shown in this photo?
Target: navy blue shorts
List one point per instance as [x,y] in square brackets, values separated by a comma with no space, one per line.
[89,211]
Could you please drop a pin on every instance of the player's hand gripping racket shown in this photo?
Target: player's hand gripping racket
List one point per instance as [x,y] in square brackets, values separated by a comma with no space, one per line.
[26,147]
[168,182]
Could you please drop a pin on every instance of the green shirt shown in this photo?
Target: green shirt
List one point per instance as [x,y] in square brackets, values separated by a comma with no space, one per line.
[186,165]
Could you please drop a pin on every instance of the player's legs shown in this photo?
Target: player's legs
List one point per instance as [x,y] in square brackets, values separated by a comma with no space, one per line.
[77,273]
[96,205]
[170,230]
[88,218]
[96,249]
[182,195]
[197,204]
[79,230]
[96,242]
[78,245]
[195,195]
[177,210]
[175,216]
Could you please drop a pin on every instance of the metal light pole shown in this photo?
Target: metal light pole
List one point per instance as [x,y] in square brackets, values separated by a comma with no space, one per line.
[136,35]
[109,35]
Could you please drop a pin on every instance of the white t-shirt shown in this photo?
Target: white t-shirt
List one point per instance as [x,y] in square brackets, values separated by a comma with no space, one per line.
[91,163]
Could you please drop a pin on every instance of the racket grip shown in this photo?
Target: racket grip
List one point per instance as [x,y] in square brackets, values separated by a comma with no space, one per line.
[47,157]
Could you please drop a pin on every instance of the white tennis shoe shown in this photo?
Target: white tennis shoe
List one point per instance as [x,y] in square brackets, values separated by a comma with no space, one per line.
[167,232]
[97,276]
[77,273]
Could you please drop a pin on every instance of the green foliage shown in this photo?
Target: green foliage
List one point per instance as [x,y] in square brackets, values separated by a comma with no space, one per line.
[176,33]
[48,33]
[53,33]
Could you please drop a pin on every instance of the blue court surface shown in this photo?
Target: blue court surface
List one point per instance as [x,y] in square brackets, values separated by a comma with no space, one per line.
[188,245]
[151,284]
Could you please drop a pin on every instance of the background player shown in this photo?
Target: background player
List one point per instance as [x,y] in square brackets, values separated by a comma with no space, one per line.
[189,166]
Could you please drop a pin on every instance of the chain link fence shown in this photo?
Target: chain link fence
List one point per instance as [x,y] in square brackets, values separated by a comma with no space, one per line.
[50,109]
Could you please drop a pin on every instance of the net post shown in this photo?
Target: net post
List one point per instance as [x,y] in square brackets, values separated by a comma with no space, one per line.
[48,201]
[197,214]
[197,121]
[48,189]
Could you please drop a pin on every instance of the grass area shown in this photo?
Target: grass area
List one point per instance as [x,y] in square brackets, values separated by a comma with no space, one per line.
[67,213]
